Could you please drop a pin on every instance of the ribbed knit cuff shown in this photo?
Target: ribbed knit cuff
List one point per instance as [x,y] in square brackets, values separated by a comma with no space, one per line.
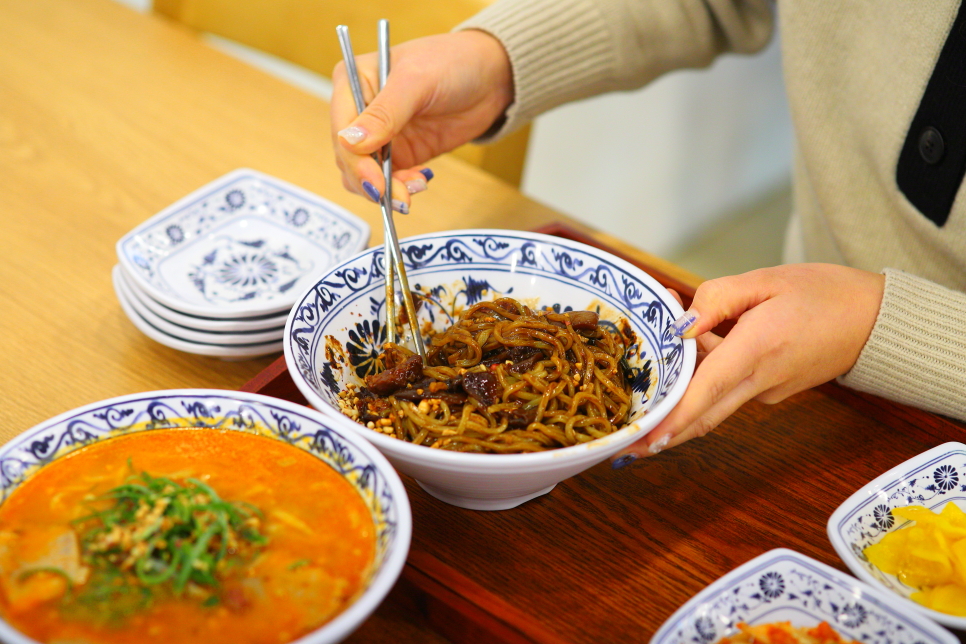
[916,353]
[555,46]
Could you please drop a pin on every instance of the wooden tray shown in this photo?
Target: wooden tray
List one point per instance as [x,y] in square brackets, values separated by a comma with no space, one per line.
[609,555]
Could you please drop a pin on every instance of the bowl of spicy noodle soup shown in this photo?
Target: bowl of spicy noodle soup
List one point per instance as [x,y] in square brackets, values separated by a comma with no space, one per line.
[335,344]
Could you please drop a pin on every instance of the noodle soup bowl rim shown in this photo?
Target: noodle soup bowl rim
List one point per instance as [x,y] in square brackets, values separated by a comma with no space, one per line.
[107,419]
[435,469]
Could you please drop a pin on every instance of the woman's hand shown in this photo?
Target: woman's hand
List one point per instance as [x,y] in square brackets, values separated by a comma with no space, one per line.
[798,326]
[442,92]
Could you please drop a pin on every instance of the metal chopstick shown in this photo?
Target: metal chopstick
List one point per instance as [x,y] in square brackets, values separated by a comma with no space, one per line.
[353,74]
[394,253]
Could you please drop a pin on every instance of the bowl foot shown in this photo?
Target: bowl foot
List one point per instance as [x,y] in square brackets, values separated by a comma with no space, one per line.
[473,503]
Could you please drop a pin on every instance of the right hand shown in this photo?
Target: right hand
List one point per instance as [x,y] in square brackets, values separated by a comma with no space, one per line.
[442,92]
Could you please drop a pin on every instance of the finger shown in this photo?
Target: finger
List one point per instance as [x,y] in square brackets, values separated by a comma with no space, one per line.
[384,117]
[676,295]
[415,179]
[726,380]
[722,299]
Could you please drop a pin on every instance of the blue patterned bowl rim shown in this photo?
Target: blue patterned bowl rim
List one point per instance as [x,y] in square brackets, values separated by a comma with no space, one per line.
[932,479]
[783,579]
[638,292]
[357,460]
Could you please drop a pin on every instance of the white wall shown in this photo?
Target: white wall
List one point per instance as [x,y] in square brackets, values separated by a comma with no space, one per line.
[657,166]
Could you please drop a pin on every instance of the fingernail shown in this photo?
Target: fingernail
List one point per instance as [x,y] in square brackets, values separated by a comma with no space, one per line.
[353,134]
[623,461]
[659,444]
[416,185]
[371,191]
[685,322]
[426,172]
[400,207]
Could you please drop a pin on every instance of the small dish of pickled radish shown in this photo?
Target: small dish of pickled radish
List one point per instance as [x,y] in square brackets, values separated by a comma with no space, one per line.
[905,532]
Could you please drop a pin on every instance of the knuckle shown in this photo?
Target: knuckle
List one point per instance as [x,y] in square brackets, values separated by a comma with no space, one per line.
[381,115]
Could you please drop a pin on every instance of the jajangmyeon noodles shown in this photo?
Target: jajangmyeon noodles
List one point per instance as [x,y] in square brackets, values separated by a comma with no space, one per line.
[502,379]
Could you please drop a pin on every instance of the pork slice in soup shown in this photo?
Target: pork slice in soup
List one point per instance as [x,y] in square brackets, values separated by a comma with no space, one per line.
[182,535]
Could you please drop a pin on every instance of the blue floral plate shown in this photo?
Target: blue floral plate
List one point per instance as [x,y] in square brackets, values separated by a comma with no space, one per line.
[245,245]
[303,428]
[932,479]
[785,586]
[336,329]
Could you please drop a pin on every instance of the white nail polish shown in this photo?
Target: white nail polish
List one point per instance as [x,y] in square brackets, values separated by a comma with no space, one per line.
[416,185]
[353,134]
[660,444]
[685,322]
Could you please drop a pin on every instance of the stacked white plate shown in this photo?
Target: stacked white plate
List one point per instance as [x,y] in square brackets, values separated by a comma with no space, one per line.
[217,272]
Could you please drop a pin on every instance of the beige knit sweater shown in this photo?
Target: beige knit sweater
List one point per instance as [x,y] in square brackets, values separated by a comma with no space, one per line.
[855,73]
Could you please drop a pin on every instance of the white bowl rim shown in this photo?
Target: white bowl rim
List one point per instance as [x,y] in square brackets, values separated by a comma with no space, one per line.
[549,458]
[349,219]
[868,491]
[383,580]
[720,584]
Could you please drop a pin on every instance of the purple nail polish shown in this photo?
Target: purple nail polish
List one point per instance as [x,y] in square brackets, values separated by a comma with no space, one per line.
[426,172]
[685,322]
[623,461]
[371,191]
[400,207]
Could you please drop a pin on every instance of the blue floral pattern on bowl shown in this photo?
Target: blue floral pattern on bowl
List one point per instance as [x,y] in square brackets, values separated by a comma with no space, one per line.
[244,244]
[932,480]
[336,328]
[251,413]
[783,585]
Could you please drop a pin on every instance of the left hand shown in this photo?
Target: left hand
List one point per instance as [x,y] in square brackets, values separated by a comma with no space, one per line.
[798,326]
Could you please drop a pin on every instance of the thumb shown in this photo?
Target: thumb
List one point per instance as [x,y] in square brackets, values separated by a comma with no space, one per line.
[721,299]
[381,121]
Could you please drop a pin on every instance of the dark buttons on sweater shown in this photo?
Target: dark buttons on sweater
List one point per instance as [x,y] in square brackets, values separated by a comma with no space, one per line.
[931,146]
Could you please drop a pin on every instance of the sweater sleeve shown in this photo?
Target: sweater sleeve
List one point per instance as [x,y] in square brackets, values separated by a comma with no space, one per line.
[916,353]
[564,50]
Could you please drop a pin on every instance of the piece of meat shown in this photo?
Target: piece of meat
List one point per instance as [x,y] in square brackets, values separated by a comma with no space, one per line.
[391,380]
[584,320]
[519,418]
[483,386]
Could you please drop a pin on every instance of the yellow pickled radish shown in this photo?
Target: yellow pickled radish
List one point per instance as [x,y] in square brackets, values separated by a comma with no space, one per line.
[929,555]
[889,554]
[917,513]
[949,599]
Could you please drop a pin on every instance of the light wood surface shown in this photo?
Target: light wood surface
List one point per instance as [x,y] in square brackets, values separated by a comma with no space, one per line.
[303,32]
[106,117]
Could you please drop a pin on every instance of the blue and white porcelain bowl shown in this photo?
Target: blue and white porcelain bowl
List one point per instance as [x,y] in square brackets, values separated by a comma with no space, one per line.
[336,329]
[355,459]
[785,586]
[931,479]
[244,245]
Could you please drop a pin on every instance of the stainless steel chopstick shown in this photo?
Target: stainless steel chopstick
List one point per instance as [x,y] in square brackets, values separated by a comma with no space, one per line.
[352,73]
[395,253]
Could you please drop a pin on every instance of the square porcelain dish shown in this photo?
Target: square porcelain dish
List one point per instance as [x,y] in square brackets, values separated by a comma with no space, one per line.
[244,245]
[782,585]
[931,479]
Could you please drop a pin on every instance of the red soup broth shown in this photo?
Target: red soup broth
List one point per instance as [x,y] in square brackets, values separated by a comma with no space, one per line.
[320,541]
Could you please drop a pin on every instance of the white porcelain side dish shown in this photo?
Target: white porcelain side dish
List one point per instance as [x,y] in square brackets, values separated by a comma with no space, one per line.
[213,349]
[244,245]
[450,271]
[931,479]
[783,585]
[355,459]
[274,322]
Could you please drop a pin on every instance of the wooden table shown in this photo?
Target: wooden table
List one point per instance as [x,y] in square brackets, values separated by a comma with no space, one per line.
[107,116]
